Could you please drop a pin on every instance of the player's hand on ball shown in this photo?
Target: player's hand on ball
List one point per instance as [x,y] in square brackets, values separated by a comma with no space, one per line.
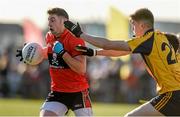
[86,51]
[19,54]
[58,48]
[74,28]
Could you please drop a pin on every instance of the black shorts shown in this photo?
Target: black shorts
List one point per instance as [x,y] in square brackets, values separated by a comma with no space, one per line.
[73,101]
[167,103]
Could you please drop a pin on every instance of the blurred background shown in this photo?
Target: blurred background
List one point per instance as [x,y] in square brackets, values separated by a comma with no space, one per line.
[112,80]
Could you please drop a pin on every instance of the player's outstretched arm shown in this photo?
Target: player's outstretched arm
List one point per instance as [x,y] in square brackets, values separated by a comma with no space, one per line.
[112,53]
[96,41]
[105,43]
[93,52]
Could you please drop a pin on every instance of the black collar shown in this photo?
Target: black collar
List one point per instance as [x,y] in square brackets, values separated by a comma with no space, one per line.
[150,30]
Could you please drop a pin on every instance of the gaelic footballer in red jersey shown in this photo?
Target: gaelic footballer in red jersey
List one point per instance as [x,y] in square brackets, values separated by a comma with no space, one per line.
[60,70]
[67,67]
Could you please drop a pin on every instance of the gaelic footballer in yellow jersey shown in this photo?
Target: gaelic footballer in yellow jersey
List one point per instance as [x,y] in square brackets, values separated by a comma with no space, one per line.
[159,54]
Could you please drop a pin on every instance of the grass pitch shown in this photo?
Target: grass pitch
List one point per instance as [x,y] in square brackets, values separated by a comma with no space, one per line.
[22,107]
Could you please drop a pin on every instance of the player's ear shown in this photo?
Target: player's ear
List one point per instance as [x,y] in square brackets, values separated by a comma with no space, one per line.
[65,19]
[142,25]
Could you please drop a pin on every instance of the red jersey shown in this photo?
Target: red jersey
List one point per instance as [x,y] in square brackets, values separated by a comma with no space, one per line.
[63,79]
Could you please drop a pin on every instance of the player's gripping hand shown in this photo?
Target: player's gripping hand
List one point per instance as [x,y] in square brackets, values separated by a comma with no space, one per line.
[86,51]
[19,53]
[58,48]
[74,28]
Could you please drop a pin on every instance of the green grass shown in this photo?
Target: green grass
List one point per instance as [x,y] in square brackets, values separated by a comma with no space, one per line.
[22,107]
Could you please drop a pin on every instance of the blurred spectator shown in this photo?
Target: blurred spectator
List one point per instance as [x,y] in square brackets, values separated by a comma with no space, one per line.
[30,83]
[4,87]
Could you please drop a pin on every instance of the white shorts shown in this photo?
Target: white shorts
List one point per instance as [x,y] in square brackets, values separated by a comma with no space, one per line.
[56,107]
[60,109]
[60,103]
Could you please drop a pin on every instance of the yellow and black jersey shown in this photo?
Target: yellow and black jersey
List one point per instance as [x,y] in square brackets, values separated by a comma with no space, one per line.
[161,59]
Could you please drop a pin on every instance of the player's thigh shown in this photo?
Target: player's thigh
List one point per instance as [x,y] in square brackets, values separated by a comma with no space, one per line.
[50,108]
[83,112]
[144,110]
[82,104]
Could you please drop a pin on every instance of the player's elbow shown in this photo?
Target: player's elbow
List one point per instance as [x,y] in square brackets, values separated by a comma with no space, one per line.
[81,70]
[81,73]
[45,56]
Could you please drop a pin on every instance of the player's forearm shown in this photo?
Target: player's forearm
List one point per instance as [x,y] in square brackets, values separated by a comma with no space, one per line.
[112,53]
[96,41]
[75,65]
[105,43]
[45,53]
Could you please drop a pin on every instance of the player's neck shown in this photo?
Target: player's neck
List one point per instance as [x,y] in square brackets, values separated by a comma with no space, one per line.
[60,33]
[148,30]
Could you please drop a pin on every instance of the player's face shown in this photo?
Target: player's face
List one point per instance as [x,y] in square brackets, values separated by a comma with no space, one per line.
[56,24]
[137,28]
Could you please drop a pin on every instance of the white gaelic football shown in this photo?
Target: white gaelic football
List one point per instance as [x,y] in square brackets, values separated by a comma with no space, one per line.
[32,53]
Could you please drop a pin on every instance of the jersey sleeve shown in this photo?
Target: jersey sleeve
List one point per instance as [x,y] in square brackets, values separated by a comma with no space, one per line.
[142,44]
[74,43]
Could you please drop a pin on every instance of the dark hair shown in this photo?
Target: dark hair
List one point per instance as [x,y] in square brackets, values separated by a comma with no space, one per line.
[145,15]
[173,40]
[58,11]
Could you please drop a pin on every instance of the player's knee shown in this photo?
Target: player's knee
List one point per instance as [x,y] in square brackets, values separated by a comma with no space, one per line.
[46,113]
[128,114]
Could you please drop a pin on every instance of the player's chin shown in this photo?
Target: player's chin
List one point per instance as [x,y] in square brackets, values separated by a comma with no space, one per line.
[52,31]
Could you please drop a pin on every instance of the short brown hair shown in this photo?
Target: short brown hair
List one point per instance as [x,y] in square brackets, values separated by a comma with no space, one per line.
[58,11]
[145,15]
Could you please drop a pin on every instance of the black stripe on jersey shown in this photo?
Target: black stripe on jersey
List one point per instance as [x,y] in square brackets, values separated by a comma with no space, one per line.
[150,68]
[144,59]
[145,47]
